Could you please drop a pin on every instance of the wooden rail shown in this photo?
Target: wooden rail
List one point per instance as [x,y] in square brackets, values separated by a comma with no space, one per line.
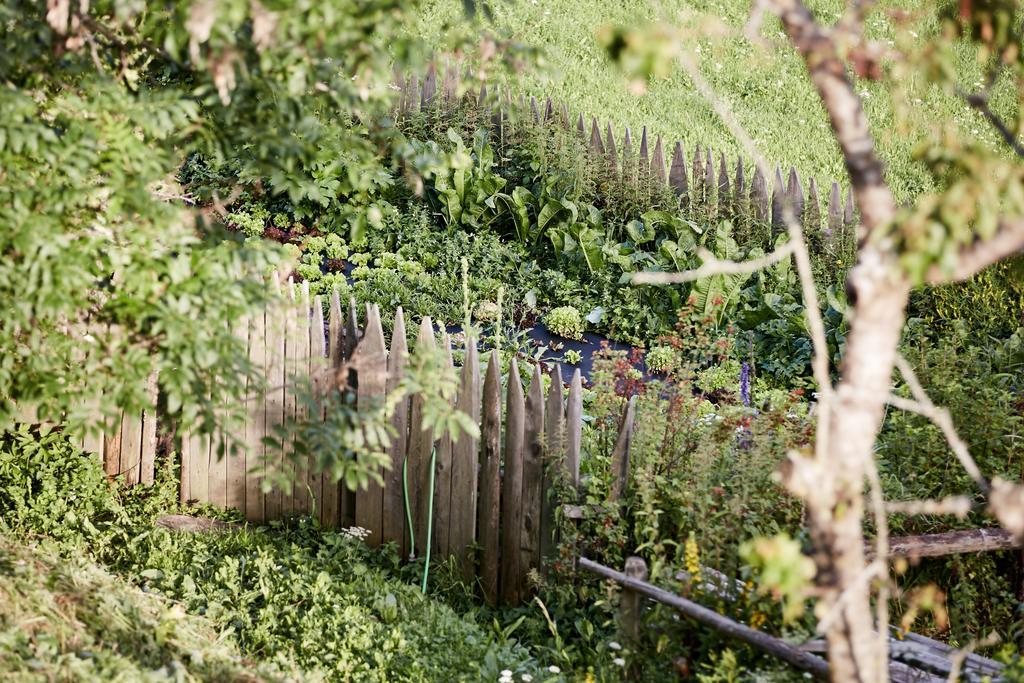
[775,647]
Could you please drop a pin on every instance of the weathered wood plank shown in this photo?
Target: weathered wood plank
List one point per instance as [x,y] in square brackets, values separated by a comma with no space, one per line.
[596,146]
[645,159]
[290,503]
[394,502]
[533,480]
[255,510]
[950,543]
[443,471]
[490,480]
[352,336]
[677,175]
[149,432]
[812,211]
[554,451]
[465,462]
[759,197]
[421,443]
[371,365]
[335,492]
[512,487]
[620,453]
[303,475]
[275,395]
[610,151]
[774,646]
[778,204]
[319,373]
[574,429]
[795,195]
[835,212]
[658,162]
[234,495]
[131,447]
[429,90]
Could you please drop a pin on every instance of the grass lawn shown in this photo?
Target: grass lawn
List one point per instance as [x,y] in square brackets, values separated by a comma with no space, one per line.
[766,87]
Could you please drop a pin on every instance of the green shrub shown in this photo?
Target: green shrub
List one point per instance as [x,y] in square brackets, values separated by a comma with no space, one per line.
[50,486]
[251,220]
[661,359]
[565,321]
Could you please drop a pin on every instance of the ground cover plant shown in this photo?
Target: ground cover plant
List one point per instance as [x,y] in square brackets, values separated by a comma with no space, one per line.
[298,599]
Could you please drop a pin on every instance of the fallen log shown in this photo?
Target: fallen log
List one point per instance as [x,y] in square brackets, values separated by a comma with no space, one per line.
[950,543]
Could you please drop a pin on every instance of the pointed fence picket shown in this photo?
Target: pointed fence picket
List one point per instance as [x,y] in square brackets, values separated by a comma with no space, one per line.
[705,189]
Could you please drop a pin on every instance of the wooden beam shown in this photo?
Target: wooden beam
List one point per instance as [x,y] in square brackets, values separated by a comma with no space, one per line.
[951,543]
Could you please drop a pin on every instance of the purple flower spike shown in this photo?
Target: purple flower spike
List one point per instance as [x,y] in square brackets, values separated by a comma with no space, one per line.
[745,384]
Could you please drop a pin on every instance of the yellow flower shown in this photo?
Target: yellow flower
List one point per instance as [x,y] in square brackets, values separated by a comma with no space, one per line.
[692,558]
[757,619]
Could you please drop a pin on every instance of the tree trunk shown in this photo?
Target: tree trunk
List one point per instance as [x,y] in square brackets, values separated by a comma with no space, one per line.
[836,513]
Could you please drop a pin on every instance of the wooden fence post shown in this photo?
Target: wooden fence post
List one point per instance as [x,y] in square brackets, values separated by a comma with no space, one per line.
[574,429]
[512,487]
[620,453]
[443,483]
[371,365]
[490,480]
[630,617]
[533,479]
[554,428]
[421,443]
[465,461]
[255,510]
[394,502]
[319,373]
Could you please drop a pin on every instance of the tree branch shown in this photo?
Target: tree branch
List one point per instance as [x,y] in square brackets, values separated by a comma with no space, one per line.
[979,102]
[828,73]
[1007,241]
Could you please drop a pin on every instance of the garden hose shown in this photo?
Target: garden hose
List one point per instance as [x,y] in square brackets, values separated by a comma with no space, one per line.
[430,514]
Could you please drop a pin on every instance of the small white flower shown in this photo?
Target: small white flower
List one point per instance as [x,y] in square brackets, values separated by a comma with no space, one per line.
[614,646]
[505,673]
[914,33]
[554,669]
[619,661]
[526,678]
[505,679]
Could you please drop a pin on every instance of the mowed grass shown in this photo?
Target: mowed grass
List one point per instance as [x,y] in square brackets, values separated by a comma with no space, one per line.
[766,85]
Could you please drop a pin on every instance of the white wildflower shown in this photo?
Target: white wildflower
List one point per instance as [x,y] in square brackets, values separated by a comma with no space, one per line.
[619,661]
[554,669]
[614,646]
[506,673]
[526,678]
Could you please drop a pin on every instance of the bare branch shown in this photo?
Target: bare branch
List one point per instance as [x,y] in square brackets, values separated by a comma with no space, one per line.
[714,266]
[958,506]
[828,72]
[1008,241]
[979,102]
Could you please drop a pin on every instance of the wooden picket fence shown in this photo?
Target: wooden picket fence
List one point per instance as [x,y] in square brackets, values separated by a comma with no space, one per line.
[706,184]
[493,502]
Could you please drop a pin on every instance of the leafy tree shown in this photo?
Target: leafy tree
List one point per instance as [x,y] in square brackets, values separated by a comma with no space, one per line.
[111,268]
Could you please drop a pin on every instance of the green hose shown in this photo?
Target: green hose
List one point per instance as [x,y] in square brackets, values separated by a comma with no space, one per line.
[430,514]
